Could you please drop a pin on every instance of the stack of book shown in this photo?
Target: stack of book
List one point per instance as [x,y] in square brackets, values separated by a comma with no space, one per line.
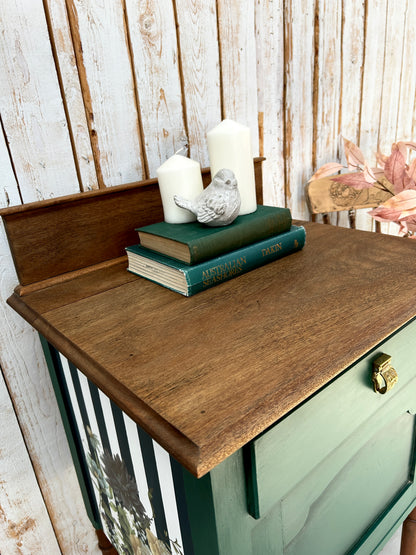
[191,257]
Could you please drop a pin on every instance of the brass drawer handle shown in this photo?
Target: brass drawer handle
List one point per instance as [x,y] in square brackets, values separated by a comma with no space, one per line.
[384,375]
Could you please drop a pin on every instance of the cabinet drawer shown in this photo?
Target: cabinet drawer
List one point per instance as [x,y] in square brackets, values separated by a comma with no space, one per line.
[340,461]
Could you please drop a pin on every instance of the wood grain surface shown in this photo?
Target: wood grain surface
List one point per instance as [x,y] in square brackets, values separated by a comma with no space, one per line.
[206,374]
[29,525]
[200,65]
[104,64]
[299,107]
[155,63]
[72,93]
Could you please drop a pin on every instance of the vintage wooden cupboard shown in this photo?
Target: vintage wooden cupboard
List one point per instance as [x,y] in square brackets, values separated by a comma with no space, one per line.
[242,420]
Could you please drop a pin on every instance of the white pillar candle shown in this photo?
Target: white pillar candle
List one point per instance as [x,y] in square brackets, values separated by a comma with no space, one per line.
[179,176]
[229,146]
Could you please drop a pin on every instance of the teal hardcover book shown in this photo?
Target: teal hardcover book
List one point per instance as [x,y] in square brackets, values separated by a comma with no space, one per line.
[188,280]
[194,242]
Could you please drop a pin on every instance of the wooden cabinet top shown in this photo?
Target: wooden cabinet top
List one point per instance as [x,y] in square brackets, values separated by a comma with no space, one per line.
[206,374]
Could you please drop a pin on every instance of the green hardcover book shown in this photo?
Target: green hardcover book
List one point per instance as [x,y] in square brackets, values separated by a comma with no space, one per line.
[194,242]
[188,280]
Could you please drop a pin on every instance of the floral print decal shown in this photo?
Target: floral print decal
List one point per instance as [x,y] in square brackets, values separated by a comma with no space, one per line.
[123,514]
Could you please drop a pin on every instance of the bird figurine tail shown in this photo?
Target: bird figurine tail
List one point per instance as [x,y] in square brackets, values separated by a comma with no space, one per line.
[184,203]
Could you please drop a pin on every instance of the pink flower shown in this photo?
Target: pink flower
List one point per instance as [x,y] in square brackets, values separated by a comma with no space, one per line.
[401,207]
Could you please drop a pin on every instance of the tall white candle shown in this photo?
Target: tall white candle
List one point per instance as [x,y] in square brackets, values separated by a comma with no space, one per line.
[229,146]
[179,176]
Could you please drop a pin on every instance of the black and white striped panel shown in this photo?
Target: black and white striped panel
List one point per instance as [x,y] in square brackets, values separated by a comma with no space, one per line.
[157,475]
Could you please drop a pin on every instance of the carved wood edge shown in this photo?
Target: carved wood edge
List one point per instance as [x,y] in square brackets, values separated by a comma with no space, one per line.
[197,459]
[185,451]
[22,290]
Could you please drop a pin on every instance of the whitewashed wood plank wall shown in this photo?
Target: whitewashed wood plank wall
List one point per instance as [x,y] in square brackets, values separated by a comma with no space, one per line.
[94,94]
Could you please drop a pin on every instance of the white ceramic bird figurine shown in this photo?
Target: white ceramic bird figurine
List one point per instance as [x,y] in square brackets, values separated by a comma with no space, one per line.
[218,204]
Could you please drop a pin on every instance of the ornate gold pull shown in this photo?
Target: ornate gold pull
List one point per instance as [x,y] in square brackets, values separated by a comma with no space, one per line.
[384,375]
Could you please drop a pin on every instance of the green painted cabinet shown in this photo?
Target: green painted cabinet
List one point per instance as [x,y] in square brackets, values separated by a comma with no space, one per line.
[340,469]
[239,421]
[335,476]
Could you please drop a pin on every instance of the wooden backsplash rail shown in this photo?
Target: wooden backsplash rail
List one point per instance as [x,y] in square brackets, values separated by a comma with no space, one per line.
[57,236]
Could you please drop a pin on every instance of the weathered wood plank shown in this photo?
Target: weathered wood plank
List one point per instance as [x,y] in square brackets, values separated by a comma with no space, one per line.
[392,74]
[407,105]
[9,190]
[31,105]
[270,97]
[23,525]
[28,381]
[389,92]
[299,64]
[373,135]
[29,384]
[197,20]
[103,58]
[24,521]
[352,52]
[155,58]
[236,35]
[327,81]
[352,59]
[375,37]
[64,55]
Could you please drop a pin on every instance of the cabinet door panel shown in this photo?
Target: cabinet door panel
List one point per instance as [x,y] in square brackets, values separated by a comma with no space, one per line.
[341,498]
[343,462]
[284,455]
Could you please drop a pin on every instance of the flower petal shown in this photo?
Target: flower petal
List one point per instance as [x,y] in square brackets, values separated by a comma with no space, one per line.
[411,172]
[383,214]
[353,154]
[356,180]
[404,204]
[394,169]
[409,144]
[327,169]
[381,159]
[369,175]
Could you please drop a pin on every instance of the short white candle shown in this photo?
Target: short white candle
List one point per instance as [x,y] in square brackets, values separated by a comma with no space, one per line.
[229,146]
[179,176]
